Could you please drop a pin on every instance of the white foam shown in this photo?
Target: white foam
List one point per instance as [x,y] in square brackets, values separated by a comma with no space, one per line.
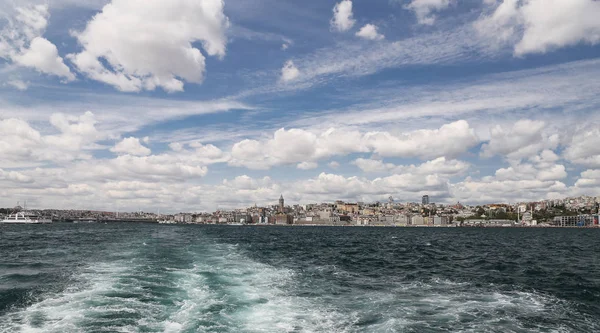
[454,306]
[249,296]
[108,293]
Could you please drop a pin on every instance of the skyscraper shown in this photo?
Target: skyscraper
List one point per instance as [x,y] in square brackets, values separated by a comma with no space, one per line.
[425,200]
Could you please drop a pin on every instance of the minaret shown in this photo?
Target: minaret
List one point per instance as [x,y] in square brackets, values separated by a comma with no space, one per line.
[281,206]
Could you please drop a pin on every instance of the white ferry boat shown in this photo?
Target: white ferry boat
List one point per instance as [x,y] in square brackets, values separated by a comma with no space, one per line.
[25,218]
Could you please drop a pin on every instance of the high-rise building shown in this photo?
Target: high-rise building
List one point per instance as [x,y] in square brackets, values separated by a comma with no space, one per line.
[281,205]
[425,200]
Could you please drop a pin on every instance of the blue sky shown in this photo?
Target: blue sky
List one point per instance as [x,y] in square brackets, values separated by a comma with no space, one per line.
[203,104]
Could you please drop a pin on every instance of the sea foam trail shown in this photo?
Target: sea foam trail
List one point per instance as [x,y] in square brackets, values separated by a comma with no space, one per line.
[242,295]
[209,287]
[135,293]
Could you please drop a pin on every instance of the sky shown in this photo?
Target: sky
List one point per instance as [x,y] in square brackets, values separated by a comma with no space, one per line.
[202,105]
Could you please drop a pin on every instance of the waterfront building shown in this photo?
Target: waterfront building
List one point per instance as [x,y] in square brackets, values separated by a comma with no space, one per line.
[417,220]
[576,221]
[242,218]
[402,220]
[282,219]
[348,208]
[440,220]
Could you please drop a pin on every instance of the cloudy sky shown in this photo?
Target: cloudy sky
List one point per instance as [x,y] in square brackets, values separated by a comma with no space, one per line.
[191,105]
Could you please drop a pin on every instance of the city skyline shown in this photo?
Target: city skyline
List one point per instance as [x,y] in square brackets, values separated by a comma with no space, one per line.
[477,101]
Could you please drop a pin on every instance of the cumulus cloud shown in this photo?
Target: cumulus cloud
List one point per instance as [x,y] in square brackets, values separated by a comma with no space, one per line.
[131,146]
[589,178]
[488,190]
[289,72]
[298,145]
[538,26]
[584,147]
[138,45]
[153,167]
[449,140]
[295,146]
[15,176]
[369,31]
[20,144]
[22,43]
[531,172]
[424,9]
[542,177]
[342,16]
[373,166]
[523,140]
[58,162]
[439,166]
[307,165]
[402,186]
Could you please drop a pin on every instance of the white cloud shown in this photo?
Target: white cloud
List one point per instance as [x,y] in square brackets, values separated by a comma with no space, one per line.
[295,146]
[531,172]
[334,164]
[15,176]
[289,71]
[589,178]
[449,140]
[424,9]
[439,166]
[18,84]
[131,146]
[541,179]
[43,56]
[245,182]
[403,186]
[584,147]
[523,140]
[342,16]
[373,166]
[22,145]
[163,167]
[369,31]
[138,44]
[176,146]
[538,26]
[545,159]
[299,145]
[284,46]
[508,191]
[22,43]
[307,165]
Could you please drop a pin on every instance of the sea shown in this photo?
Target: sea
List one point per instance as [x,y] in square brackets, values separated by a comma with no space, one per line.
[135,277]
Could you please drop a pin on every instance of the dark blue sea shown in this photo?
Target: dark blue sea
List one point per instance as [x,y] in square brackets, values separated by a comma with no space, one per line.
[170,278]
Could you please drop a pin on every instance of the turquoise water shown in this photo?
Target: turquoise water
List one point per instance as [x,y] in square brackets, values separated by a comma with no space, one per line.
[163,278]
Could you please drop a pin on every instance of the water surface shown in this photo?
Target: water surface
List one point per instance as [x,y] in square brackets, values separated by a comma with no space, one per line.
[175,278]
